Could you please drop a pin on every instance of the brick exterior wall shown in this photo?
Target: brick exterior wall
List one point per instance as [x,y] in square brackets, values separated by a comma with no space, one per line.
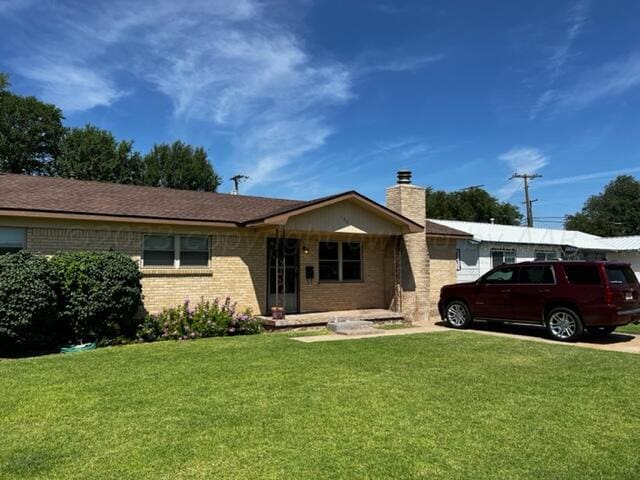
[412,275]
[316,296]
[238,264]
[442,269]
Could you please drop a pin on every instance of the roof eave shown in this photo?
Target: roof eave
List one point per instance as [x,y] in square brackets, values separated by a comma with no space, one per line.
[112,218]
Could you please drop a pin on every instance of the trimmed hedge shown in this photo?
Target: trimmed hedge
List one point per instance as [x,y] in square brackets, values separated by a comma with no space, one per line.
[101,294]
[28,302]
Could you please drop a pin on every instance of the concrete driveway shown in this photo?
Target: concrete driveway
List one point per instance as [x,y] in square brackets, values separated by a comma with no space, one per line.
[616,342]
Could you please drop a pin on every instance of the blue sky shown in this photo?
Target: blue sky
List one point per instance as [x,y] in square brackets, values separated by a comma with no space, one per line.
[314,97]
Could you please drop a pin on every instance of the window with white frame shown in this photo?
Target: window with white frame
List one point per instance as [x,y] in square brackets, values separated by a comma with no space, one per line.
[340,261]
[501,257]
[175,251]
[546,255]
[11,239]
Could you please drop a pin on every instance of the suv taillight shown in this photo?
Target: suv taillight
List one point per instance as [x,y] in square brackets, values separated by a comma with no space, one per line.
[608,295]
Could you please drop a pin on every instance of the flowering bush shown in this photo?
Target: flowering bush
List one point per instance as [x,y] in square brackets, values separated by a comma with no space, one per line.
[206,319]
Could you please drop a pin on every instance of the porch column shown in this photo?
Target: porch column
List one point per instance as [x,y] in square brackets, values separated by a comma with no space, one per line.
[412,255]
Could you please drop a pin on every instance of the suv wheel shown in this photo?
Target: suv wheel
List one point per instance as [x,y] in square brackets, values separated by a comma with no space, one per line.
[457,315]
[600,331]
[564,324]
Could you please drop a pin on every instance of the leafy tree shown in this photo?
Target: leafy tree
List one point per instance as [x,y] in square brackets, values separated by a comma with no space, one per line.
[30,132]
[614,212]
[91,153]
[179,166]
[471,205]
[4,81]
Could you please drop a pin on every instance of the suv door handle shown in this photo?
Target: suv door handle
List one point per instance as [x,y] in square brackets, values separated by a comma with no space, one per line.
[506,290]
[544,290]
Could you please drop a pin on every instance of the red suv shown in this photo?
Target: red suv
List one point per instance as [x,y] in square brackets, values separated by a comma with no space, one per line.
[566,297]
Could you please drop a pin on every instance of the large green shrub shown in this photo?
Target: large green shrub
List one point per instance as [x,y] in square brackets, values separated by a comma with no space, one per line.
[101,294]
[28,302]
[207,319]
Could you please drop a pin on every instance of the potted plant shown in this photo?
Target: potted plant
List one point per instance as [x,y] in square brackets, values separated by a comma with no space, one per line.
[277,313]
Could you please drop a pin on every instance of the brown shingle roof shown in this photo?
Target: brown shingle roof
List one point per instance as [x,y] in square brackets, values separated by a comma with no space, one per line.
[437,230]
[60,195]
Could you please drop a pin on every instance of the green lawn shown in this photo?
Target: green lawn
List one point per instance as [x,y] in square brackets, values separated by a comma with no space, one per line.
[441,405]
[631,328]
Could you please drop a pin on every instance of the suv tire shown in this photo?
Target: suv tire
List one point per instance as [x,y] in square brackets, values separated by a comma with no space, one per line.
[564,324]
[457,315]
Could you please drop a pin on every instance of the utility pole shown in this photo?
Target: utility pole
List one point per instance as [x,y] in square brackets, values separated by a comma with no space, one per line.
[526,177]
[237,179]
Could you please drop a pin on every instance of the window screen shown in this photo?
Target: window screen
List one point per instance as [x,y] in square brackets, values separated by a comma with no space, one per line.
[11,240]
[194,251]
[328,255]
[351,261]
[500,257]
[159,251]
[547,255]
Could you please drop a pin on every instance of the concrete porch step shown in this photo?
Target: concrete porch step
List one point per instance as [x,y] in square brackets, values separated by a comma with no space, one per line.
[352,327]
[317,319]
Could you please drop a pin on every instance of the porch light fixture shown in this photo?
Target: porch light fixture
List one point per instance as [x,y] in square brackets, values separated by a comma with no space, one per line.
[305,250]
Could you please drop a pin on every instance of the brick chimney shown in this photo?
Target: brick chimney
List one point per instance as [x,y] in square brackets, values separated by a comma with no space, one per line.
[411,255]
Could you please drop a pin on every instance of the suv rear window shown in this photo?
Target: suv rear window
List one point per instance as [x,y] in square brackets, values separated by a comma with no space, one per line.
[582,274]
[621,274]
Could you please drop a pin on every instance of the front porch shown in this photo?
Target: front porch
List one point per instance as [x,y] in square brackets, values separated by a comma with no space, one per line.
[319,319]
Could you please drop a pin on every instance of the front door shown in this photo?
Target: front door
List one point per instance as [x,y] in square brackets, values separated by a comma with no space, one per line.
[283,264]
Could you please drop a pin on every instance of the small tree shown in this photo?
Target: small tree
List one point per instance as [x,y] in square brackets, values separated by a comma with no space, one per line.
[91,153]
[471,205]
[179,166]
[614,212]
[30,132]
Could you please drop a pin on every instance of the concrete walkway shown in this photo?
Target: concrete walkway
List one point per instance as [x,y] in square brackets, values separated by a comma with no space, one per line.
[332,337]
[616,342]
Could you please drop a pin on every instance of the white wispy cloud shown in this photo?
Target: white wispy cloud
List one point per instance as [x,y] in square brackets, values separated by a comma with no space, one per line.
[11,6]
[612,79]
[575,21]
[73,87]
[585,177]
[523,160]
[397,63]
[560,54]
[236,66]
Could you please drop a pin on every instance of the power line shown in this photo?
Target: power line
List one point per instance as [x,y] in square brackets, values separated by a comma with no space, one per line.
[526,177]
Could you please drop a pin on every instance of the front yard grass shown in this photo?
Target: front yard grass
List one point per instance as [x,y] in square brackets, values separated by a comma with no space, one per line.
[441,405]
[631,328]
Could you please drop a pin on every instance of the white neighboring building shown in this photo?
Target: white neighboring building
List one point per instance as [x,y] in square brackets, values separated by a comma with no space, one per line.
[625,249]
[493,245]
